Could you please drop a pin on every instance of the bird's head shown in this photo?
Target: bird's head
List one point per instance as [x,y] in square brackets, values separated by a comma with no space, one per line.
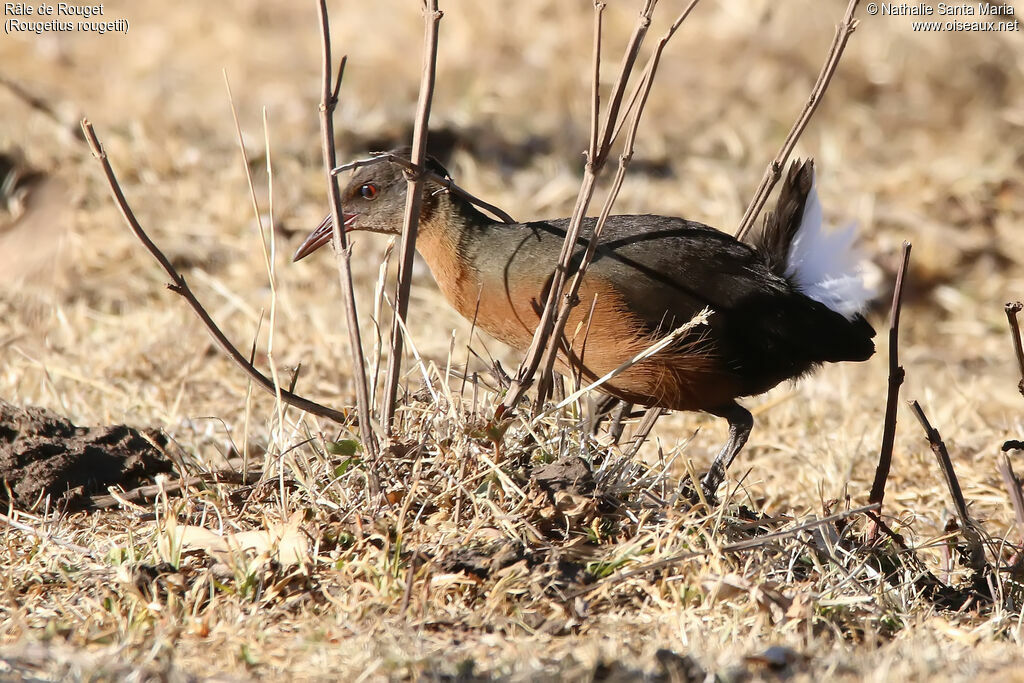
[374,201]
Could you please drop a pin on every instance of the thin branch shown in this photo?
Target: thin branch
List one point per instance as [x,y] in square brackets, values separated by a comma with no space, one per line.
[231,475]
[641,86]
[341,248]
[413,203]
[1012,309]
[896,376]
[546,335]
[571,297]
[1012,484]
[774,170]
[595,84]
[179,286]
[970,530]
[39,103]
[619,89]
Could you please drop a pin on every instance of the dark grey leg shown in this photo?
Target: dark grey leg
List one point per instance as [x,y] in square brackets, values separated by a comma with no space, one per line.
[620,413]
[598,410]
[740,424]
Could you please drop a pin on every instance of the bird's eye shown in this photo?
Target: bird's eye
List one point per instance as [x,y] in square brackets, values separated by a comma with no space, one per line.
[369,191]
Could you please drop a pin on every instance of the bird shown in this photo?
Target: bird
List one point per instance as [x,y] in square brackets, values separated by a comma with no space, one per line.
[782,304]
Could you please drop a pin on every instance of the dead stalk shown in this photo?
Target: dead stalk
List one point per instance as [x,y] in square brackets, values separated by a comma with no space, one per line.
[571,297]
[413,202]
[1012,484]
[774,171]
[1012,309]
[896,376]
[328,101]
[967,525]
[548,336]
[179,286]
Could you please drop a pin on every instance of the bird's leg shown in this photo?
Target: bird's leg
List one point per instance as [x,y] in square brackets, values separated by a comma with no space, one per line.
[740,424]
[598,410]
[621,412]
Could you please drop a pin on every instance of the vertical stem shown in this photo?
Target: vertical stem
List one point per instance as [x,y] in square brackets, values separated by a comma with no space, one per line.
[774,170]
[543,335]
[1012,309]
[328,101]
[896,376]
[413,201]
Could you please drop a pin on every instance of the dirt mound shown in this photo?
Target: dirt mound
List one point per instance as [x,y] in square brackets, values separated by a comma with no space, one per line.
[42,453]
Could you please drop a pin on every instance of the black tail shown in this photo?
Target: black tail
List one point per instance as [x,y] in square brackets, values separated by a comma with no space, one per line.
[782,224]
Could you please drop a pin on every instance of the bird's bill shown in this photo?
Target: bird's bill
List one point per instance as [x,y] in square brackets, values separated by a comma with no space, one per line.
[322,235]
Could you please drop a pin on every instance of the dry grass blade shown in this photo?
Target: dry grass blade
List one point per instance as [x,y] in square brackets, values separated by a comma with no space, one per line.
[774,171]
[180,287]
[42,535]
[748,544]
[328,102]
[413,202]
[655,348]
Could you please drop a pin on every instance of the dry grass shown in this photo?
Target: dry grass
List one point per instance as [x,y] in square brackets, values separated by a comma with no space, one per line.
[915,140]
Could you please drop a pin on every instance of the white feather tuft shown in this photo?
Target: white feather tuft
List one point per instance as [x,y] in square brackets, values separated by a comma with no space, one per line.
[827,266]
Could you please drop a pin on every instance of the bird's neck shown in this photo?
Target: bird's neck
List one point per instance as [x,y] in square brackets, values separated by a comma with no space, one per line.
[449,236]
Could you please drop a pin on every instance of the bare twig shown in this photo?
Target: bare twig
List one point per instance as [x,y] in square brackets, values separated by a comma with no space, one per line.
[445,181]
[547,337]
[39,103]
[179,286]
[542,335]
[413,202]
[595,83]
[970,530]
[774,170]
[896,376]
[1012,309]
[571,297]
[231,475]
[945,464]
[756,542]
[1012,484]
[328,101]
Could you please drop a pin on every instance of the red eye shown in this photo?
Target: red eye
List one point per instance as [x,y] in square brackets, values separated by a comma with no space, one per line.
[369,191]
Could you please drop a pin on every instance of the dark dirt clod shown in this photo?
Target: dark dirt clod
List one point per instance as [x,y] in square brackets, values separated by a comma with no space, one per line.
[571,474]
[42,453]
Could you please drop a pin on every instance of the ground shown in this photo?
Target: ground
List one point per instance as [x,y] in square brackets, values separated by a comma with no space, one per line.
[477,562]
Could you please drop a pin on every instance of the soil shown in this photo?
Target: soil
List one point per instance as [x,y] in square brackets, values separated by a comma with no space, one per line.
[44,454]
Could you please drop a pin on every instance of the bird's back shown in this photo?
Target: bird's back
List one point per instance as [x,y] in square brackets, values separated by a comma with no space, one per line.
[667,269]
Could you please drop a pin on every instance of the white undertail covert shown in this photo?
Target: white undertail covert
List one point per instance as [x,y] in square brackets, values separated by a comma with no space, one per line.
[825,265]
